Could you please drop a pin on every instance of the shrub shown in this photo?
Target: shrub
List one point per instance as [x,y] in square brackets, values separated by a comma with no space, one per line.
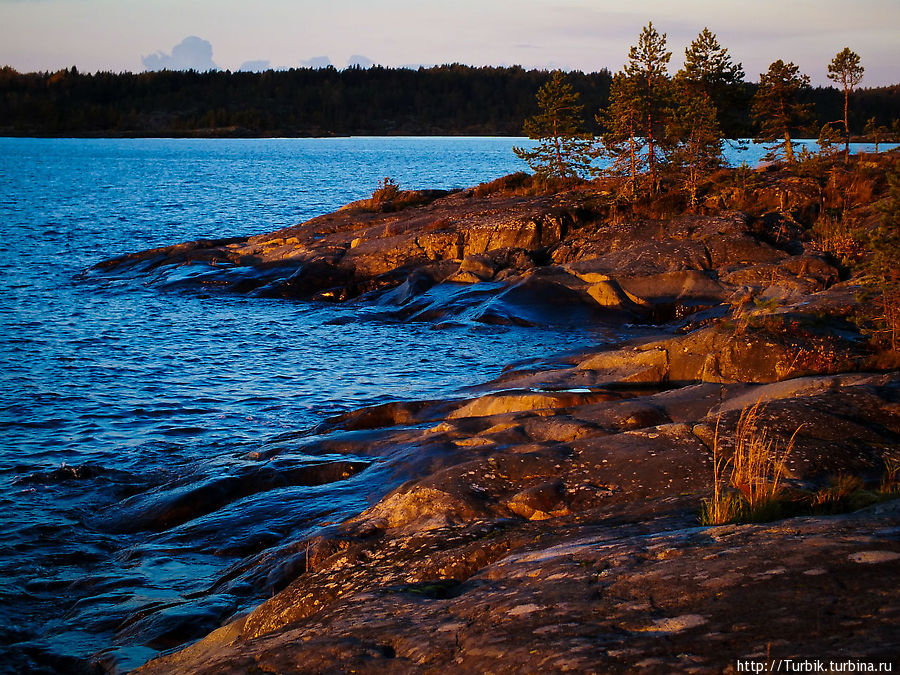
[514,183]
[838,236]
[846,493]
[387,191]
[883,273]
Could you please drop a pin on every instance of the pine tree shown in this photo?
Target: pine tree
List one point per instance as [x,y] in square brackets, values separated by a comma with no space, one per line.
[826,141]
[776,107]
[708,67]
[698,150]
[647,66]
[622,121]
[846,70]
[875,132]
[564,149]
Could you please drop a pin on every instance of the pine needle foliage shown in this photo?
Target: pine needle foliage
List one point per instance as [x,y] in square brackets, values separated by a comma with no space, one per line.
[647,67]
[777,109]
[708,68]
[827,141]
[697,149]
[875,132]
[846,70]
[622,121]
[564,150]
[882,271]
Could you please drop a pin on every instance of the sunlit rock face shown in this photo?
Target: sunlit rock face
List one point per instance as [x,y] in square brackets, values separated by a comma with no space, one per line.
[563,527]
[549,519]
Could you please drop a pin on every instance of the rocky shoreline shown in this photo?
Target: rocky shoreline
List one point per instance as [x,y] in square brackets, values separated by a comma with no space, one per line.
[549,521]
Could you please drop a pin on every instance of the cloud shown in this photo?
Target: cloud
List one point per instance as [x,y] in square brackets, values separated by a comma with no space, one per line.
[360,60]
[316,62]
[255,66]
[192,53]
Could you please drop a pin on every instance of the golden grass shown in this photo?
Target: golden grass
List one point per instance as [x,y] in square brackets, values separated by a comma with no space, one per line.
[748,484]
[841,489]
[839,236]
[723,506]
[890,480]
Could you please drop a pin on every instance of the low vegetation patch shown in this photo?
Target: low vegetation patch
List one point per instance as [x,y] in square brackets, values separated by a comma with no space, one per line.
[388,197]
[749,487]
[521,184]
[845,493]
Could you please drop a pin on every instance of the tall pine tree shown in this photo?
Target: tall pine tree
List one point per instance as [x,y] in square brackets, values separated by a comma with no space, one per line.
[647,66]
[777,109]
[846,70]
[622,121]
[697,137]
[708,68]
[564,149]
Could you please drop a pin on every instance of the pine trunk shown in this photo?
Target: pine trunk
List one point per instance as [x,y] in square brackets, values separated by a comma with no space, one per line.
[651,154]
[559,159]
[633,167]
[846,126]
[788,146]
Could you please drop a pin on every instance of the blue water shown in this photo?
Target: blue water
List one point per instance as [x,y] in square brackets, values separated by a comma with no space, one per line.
[114,394]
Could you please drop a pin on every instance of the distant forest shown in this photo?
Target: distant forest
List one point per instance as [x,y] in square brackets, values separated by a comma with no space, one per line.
[447,100]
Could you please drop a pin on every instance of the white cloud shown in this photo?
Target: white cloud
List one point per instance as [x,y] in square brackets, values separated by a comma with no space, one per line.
[192,53]
[255,66]
[316,62]
[360,60]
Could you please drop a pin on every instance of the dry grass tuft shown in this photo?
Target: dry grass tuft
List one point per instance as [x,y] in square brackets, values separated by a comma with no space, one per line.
[834,497]
[890,480]
[750,491]
[724,506]
[757,463]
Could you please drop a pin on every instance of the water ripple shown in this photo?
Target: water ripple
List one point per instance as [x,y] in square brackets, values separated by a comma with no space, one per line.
[129,411]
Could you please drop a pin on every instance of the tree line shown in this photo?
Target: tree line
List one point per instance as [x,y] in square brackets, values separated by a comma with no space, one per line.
[653,120]
[443,100]
[450,99]
[662,140]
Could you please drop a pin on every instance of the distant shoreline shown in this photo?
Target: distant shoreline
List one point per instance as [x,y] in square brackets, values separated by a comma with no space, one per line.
[224,134]
[445,100]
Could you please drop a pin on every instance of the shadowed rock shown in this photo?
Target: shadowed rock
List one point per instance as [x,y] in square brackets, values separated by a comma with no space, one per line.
[173,504]
[580,547]
[549,521]
[548,260]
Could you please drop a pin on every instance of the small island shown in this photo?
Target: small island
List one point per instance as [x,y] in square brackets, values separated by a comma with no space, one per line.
[718,484]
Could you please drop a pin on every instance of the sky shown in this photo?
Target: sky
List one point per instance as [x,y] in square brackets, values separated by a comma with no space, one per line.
[137,35]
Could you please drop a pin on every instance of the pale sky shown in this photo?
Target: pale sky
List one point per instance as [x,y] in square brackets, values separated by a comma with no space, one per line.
[134,35]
